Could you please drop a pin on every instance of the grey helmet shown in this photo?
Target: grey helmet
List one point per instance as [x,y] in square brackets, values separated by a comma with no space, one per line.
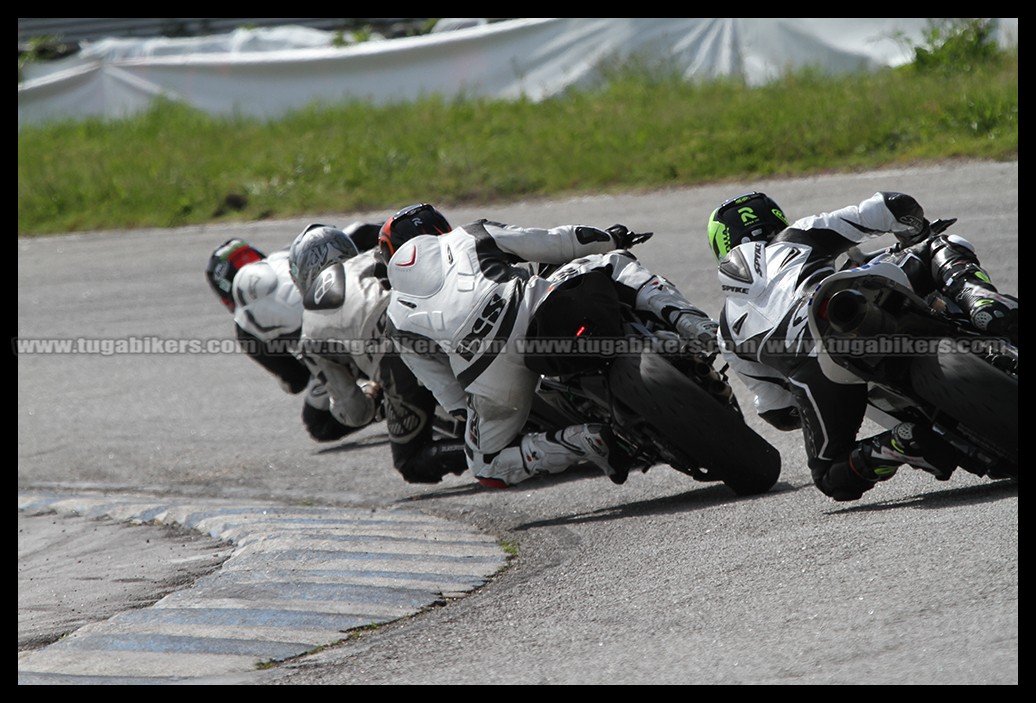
[316,248]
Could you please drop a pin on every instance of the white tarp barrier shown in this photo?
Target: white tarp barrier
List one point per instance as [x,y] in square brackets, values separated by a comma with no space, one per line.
[267,73]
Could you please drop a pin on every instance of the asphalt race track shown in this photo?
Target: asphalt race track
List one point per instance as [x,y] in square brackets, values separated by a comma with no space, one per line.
[166,481]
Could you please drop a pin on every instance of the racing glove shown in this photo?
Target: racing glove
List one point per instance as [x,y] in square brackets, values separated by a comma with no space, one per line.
[699,330]
[624,238]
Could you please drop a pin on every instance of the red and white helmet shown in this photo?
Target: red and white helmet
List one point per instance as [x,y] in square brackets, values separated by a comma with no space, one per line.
[229,257]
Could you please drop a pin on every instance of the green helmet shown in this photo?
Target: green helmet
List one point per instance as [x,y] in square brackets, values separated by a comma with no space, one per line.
[751,217]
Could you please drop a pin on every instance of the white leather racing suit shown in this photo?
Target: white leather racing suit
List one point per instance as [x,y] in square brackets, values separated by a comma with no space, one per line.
[461,300]
[764,334]
[343,334]
[268,320]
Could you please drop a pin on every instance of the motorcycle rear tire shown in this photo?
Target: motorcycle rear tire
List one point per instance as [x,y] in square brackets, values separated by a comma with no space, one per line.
[714,435]
[982,398]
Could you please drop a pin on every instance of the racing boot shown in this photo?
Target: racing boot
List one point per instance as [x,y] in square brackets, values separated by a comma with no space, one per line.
[664,300]
[668,304]
[956,270]
[553,452]
[991,312]
[879,457]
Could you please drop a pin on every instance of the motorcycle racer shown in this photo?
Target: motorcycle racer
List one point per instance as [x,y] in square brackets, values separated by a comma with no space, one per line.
[462,298]
[267,308]
[768,268]
[343,299]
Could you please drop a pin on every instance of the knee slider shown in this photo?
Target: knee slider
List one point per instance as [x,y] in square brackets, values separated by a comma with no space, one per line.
[433,462]
[321,424]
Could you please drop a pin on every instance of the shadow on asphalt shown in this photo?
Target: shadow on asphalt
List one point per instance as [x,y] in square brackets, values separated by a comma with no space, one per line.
[705,494]
[945,498]
[576,473]
[349,445]
[711,495]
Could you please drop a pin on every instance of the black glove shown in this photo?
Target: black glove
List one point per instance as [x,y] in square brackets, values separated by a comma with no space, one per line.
[624,238]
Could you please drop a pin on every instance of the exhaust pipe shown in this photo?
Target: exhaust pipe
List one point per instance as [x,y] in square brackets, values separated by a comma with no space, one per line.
[849,312]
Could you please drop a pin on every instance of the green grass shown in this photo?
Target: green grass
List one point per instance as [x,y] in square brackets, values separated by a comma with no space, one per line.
[639,128]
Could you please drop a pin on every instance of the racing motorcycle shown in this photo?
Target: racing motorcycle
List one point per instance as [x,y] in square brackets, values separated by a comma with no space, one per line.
[666,403]
[922,359]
